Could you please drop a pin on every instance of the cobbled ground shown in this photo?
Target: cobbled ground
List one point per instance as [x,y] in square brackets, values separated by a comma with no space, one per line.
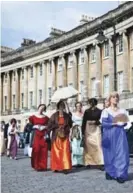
[18,177]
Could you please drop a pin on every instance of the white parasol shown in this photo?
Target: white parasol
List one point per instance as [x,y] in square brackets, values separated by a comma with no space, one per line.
[64,93]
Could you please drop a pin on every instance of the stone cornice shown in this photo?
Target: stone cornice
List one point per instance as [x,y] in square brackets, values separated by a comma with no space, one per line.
[74,35]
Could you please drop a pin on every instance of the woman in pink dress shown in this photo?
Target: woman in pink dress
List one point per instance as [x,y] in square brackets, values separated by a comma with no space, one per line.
[40,147]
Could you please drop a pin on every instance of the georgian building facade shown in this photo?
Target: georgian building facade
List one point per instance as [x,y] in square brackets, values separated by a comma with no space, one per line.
[31,74]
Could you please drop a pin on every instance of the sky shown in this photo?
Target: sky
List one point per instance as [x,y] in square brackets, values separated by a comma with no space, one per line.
[34,19]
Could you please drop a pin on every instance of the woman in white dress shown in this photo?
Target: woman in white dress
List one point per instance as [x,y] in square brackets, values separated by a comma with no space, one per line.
[76,136]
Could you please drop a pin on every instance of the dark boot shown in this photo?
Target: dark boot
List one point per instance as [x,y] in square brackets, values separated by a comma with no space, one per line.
[108,177]
[66,172]
[101,167]
[120,180]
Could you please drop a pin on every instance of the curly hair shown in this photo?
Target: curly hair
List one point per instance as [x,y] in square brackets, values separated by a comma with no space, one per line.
[13,121]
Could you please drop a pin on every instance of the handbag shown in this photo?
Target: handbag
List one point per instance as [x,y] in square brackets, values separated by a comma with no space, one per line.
[48,140]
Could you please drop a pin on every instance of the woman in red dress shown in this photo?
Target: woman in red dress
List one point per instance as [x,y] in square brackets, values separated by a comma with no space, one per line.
[40,148]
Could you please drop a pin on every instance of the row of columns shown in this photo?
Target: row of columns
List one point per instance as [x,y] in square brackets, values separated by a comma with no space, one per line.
[86,80]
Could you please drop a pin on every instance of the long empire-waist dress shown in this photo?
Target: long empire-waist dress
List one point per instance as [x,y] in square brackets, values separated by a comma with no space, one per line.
[115,145]
[77,151]
[12,141]
[93,154]
[60,149]
[40,148]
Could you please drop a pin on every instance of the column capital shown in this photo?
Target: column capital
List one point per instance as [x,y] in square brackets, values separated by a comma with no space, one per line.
[62,56]
[50,59]
[72,52]
[124,31]
[83,47]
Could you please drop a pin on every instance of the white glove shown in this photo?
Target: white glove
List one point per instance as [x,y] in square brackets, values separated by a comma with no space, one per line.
[120,123]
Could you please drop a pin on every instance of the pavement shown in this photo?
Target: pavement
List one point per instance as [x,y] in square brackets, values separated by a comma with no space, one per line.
[18,177]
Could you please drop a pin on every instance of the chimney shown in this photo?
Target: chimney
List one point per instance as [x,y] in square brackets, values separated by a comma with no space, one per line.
[85,19]
[56,32]
[27,42]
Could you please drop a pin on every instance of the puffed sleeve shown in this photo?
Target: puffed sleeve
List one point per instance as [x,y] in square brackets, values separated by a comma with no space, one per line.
[84,122]
[104,120]
[128,126]
[31,120]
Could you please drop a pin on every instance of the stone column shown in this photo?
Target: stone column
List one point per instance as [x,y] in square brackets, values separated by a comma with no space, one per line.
[64,72]
[45,90]
[125,63]
[17,88]
[111,65]
[98,70]
[25,87]
[8,91]
[35,85]
[1,93]
[75,70]
[86,72]
[53,75]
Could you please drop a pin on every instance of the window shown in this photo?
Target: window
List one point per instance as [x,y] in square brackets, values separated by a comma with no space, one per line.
[106,85]
[50,67]
[60,86]
[120,82]
[60,65]
[81,89]
[93,54]
[70,84]
[120,43]
[49,94]
[5,98]
[6,78]
[41,70]
[70,61]
[22,100]
[14,75]
[31,72]
[106,49]
[93,83]
[13,102]
[40,96]
[31,99]
[82,59]
[22,74]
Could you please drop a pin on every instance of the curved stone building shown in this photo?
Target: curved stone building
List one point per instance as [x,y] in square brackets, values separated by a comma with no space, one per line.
[31,73]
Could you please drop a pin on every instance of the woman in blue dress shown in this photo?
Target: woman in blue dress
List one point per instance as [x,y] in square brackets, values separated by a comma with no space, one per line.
[76,136]
[114,142]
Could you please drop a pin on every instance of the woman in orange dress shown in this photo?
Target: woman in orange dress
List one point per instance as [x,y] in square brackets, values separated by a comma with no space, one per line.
[40,147]
[60,124]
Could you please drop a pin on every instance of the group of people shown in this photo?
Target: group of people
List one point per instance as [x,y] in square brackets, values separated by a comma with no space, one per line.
[9,139]
[94,138]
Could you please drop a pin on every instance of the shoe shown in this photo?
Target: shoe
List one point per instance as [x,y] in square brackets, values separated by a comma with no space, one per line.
[120,180]
[108,177]
[101,168]
[11,158]
[15,158]
[56,171]
[66,172]
[88,167]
